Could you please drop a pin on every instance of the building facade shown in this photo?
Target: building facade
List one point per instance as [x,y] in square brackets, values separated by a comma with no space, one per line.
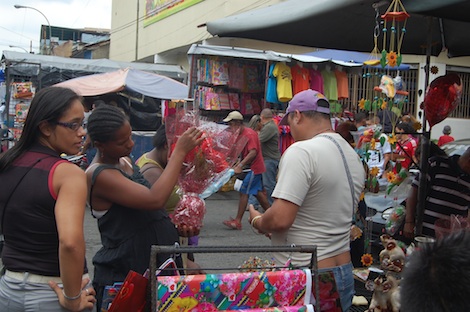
[162,32]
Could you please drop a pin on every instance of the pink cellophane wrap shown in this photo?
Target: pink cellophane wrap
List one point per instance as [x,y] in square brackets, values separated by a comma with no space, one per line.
[202,165]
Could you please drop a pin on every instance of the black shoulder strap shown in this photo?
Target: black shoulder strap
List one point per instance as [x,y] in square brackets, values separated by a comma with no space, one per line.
[16,186]
[95,174]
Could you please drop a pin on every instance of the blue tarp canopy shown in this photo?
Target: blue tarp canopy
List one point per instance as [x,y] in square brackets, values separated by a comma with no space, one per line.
[351,57]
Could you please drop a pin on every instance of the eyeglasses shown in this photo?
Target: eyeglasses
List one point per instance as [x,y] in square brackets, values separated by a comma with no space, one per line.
[71,125]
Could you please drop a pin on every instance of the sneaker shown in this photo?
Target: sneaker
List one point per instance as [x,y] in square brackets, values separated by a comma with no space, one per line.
[233,224]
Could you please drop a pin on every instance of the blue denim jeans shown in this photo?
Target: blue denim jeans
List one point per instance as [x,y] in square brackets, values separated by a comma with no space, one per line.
[269,177]
[344,283]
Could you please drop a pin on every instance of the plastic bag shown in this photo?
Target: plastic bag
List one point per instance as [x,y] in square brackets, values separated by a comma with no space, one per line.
[395,219]
[443,227]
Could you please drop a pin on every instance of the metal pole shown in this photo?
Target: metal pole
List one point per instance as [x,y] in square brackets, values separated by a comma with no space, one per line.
[425,143]
[18,6]
[137,33]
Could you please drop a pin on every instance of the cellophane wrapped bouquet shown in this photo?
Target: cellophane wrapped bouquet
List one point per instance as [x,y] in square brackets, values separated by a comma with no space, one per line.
[203,166]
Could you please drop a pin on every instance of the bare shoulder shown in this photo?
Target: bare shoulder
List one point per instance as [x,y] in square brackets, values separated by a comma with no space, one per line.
[67,173]
[67,169]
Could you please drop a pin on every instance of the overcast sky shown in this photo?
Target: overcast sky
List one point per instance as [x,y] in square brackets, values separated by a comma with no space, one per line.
[20,27]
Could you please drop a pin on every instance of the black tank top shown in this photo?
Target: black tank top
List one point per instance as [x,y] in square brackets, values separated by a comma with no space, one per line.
[30,230]
[127,235]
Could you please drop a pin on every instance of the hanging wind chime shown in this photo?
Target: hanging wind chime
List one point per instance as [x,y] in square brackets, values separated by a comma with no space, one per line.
[395,17]
[394,30]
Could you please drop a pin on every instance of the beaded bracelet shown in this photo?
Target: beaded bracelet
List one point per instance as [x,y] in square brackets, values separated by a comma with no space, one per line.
[71,298]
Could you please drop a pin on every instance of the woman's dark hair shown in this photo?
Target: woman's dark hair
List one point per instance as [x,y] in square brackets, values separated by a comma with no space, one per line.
[345,128]
[49,104]
[104,122]
[159,138]
[406,127]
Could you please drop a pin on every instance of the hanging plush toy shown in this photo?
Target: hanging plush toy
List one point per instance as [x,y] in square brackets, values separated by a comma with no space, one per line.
[387,86]
[442,98]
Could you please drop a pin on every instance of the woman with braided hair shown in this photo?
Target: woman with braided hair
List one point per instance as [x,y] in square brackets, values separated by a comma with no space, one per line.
[130,212]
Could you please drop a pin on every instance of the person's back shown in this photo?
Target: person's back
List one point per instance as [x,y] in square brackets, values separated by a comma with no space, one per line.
[257,165]
[360,119]
[269,136]
[387,120]
[326,212]
[269,139]
[448,192]
[320,181]
[449,189]
[445,137]
[30,241]
[43,206]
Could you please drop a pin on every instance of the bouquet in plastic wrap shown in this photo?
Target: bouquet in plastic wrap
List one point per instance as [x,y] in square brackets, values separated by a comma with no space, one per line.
[205,166]
[395,219]
[398,189]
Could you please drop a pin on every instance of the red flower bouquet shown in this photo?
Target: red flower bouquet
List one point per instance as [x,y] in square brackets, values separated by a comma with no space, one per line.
[203,165]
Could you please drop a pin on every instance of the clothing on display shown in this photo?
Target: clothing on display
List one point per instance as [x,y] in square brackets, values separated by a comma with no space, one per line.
[300,78]
[316,80]
[283,74]
[330,86]
[271,88]
[342,84]
[223,83]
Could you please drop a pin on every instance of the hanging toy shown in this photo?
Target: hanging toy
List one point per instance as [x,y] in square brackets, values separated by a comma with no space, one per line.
[387,86]
[373,59]
[395,16]
[442,98]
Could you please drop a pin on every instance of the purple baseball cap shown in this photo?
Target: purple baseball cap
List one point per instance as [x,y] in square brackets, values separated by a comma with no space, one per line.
[306,100]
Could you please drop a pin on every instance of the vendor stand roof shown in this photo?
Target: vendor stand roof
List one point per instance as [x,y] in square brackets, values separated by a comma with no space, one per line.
[139,81]
[26,64]
[347,24]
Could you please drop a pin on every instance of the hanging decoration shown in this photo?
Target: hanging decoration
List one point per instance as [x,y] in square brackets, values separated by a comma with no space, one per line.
[373,59]
[395,17]
[442,98]
[384,92]
[370,74]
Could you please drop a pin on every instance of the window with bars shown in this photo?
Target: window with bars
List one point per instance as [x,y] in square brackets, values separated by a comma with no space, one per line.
[362,86]
[363,80]
[463,109]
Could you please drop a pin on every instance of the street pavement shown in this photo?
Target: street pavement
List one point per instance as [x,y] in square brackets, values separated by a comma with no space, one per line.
[219,207]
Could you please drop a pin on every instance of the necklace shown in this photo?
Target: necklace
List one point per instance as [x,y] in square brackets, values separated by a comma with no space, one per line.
[323,131]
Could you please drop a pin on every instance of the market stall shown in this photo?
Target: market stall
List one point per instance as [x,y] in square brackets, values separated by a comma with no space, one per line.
[142,95]
[231,78]
[26,73]
[429,28]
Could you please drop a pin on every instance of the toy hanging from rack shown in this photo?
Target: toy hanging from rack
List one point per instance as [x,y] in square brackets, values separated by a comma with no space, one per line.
[373,59]
[371,74]
[395,16]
